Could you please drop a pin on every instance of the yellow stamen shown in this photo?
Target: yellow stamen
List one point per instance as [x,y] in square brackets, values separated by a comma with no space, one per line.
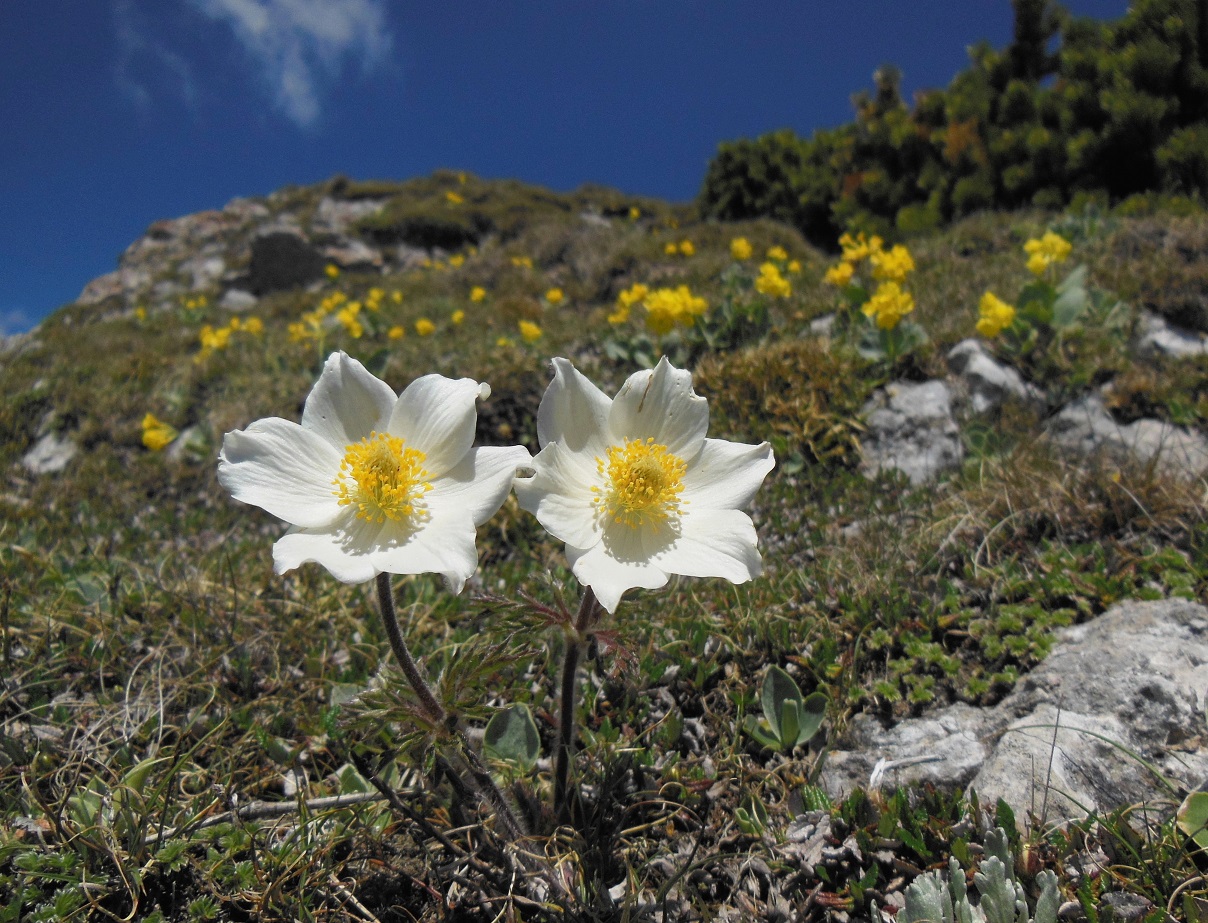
[383,479]
[644,483]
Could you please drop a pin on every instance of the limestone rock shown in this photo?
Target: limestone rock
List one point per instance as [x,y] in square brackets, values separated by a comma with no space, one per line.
[910,428]
[988,381]
[236,300]
[1087,428]
[50,454]
[336,216]
[1158,337]
[1132,681]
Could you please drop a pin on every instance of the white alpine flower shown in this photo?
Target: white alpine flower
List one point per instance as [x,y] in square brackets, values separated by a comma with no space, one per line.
[372,482]
[635,489]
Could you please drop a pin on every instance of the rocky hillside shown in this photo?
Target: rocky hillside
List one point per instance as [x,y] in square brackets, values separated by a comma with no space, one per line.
[969,509]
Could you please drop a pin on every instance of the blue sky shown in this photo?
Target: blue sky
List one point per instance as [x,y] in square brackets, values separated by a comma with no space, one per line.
[117,113]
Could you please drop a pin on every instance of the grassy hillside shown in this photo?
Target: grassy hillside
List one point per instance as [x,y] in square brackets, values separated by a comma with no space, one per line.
[156,672]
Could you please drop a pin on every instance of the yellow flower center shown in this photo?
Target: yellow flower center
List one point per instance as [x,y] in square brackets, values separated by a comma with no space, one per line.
[644,483]
[383,479]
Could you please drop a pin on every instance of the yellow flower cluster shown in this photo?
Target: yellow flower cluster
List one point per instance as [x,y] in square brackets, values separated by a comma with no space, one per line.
[332,271]
[634,213]
[457,317]
[216,339]
[772,283]
[777,253]
[859,247]
[1046,251]
[741,249]
[529,331]
[196,304]
[840,274]
[477,293]
[888,305]
[310,327]
[667,307]
[635,294]
[555,296]
[453,198]
[457,260]
[892,265]
[522,262]
[425,327]
[157,435]
[994,315]
[683,248]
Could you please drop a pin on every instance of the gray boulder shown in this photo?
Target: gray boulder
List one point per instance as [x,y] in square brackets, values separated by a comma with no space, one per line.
[50,454]
[988,381]
[1118,692]
[909,427]
[1087,428]
[1156,336]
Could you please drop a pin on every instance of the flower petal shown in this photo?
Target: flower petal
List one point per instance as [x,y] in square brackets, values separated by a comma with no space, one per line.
[574,412]
[713,543]
[345,550]
[726,475]
[442,545]
[560,497]
[347,403]
[282,468]
[614,565]
[661,404]
[437,416]
[480,482]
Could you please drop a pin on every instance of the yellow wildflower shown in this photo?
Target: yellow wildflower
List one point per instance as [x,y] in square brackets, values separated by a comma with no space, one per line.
[234,323]
[772,283]
[347,316]
[858,247]
[332,270]
[555,296]
[522,262]
[530,332]
[777,253]
[477,293]
[740,249]
[140,313]
[453,198]
[457,317]
[373,299]
[254,326]
[503,342]
[396,332]
[157,435]
[687,248]
[424,327]
[1045,251]
[396,296]
[995,315]
[667,307]
[891,265]
[839,275]
[888,305]
[456,260]
[671,249]
[795,267]
[634,213]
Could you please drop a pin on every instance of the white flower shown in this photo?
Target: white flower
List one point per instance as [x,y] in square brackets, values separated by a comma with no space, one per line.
[635,489]
[372,482]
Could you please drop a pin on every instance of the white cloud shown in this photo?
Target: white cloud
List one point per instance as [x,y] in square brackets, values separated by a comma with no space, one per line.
[143,62]
[300,46]
[15,320]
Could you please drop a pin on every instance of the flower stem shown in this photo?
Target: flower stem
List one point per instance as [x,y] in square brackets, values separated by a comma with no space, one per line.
[589,609]
[435,713]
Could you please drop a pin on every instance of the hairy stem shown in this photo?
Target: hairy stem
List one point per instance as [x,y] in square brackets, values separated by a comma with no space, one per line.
[589,609]
[437,715]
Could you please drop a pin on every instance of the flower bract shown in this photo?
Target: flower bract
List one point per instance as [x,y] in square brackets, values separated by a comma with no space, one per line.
[635,489]
[372,482]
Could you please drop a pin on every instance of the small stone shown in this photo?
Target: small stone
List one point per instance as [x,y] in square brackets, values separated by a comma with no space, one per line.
[50,454]
[910,429]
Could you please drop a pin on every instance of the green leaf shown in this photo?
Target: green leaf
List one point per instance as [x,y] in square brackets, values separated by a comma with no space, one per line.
[1192,818]
[511,735]
[778,687]
[813,712]
[1071,299]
